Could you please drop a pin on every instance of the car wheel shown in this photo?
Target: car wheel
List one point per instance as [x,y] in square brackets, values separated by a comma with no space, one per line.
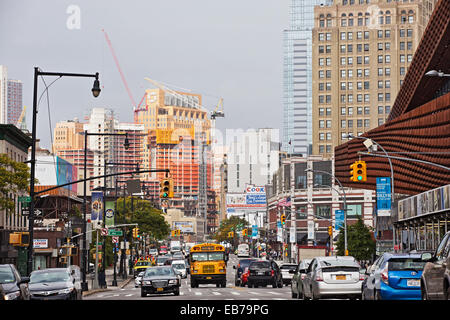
[242,284]
[249,284]
[217,285]
[314,297]
[447,292]
[294,295]
[224,284]
[177,292]
[193,284]
[143,293]
[236,283]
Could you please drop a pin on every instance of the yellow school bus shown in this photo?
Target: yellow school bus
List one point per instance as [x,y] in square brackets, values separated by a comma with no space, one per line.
[208,264]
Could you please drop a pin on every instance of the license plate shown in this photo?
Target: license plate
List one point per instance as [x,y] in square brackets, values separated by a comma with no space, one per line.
[159,289]
[341,277]
[413,283]
[260,273]
[208,278]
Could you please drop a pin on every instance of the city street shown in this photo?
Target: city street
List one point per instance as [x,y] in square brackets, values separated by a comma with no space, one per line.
[203,292]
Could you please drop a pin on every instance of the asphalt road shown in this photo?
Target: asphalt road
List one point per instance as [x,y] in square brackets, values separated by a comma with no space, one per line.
[203,292]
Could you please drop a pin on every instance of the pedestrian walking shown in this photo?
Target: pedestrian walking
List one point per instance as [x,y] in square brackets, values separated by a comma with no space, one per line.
[102,279]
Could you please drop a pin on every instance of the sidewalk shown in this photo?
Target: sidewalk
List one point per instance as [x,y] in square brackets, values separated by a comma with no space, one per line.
[109,279]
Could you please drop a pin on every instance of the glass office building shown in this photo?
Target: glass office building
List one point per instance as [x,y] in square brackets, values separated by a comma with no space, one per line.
[297,77]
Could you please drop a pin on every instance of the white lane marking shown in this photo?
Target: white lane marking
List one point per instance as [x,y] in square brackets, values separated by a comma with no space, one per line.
[253,292]
[275,293]
[254,299]
[235,293]
[198,293]
[128,295]
[216,293]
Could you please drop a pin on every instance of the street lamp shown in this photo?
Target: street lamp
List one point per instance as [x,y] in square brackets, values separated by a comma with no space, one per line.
[345,205]
[37,73]
[371,146]
[84,285]
[434,73]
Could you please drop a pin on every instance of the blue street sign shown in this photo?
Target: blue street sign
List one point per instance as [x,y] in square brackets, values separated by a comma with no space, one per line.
[339,219]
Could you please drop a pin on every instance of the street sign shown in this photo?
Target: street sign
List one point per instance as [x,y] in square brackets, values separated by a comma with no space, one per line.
[114,232]
[115,239]
[26,212]
[25,199]
[104,232]
[339,219]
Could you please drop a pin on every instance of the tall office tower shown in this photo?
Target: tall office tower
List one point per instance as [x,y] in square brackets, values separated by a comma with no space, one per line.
[297,77]
[3,94]
[179,139]
[15,105]
[252,158]
[66,135]
[361,53]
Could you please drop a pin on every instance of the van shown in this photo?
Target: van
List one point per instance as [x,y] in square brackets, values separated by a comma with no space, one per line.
[243,250]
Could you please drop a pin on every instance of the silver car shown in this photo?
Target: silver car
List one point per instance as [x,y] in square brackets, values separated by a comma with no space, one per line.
[333,277]
[138,279]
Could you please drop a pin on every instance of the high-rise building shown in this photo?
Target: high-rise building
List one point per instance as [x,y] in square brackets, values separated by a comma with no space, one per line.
[3,94]
[15,105]
[252,158]
[297,77]
[179,134]
[361,51]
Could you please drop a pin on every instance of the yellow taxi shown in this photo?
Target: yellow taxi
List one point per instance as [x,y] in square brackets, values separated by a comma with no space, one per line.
[141,265]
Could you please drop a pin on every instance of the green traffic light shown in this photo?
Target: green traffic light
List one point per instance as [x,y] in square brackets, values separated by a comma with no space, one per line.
[359,178]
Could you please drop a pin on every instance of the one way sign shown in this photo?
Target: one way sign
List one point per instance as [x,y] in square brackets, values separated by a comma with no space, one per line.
[26,212]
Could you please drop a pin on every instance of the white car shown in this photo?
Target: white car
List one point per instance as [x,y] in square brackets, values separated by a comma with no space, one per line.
[287,272]
[153,252]
[138,279]
[180,267]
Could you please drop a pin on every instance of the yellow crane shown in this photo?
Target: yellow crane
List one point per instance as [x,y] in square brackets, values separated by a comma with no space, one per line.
[22,115]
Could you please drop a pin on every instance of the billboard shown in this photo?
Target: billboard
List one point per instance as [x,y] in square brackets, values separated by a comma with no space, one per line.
[184,226]
[339,219]
[66,173]
[253,197]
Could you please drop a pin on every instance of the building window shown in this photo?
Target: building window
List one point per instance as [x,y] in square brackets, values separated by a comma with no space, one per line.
[366,110]
[343,124]
[354,210]
[366,123]
[322,210]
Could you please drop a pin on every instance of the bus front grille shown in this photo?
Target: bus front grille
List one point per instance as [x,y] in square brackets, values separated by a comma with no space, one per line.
[208,268]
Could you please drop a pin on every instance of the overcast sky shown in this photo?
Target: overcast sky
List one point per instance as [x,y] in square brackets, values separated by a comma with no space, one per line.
[231,49]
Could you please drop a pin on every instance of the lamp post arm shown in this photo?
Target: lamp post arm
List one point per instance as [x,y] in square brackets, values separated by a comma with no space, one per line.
[402,158]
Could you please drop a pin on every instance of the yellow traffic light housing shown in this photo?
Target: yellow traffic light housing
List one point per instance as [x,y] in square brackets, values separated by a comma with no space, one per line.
[166,188]
[330,230]
[135,232]
[21,239]
[358,172]
[244,232]
[283,218]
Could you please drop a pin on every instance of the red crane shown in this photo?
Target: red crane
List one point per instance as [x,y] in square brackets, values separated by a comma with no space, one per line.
[120,70]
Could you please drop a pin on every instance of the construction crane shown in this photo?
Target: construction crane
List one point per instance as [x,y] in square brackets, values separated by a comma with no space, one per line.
[217,112]
[120,70]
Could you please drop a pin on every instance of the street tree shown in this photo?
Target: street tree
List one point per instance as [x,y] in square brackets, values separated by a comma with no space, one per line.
[234,223]
[14,179]
[360,242]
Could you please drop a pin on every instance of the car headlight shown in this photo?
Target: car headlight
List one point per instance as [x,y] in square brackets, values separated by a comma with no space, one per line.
[12,295]
[172,281]
[148,282]
[65,291]
[195,271]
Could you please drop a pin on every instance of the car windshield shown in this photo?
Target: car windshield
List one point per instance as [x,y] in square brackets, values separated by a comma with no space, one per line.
[259,265]
[162,259]
[152,272]
[207,256]
[50,276]
[399,264]
[288,267]
[6,275]
[179,266]
[143,263]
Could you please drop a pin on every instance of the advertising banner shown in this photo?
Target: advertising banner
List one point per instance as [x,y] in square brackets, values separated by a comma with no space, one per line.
[292,235]
[96,207]
[184,226]
[339,219]
[311,232]
[383,196]
[109,213]
[254,231]
[64,173]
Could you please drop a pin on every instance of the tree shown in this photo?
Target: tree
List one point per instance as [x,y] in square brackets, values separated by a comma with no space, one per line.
[234,223]
[360,242]
[14,179]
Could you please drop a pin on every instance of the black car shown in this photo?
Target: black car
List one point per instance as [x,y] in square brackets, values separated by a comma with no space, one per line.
[14,286]
[264,272]
[54,284]
[242,264]
[160,280]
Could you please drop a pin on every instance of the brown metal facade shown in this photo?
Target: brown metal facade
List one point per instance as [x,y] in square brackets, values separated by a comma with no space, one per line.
[419,123]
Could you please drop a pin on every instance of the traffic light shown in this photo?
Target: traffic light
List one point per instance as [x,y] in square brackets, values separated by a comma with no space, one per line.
[135,232]
[358,172]
[244,232]
[21,239]
[283,218]
[330,230]
[166,188]
[231,234]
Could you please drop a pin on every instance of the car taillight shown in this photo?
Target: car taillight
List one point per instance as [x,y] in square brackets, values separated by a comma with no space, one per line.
[385,275]
[303,276]
[273,273]
[361,276]
[319,276]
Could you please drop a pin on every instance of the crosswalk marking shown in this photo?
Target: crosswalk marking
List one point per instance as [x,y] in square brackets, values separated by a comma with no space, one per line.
[275,293]
[216,293]
[235,293]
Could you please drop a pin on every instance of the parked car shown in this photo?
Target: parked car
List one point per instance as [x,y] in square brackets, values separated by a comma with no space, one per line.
[54,284]
[160,280]
[394,276]
[180,267]
[332,277]
[297,279]
[435,279]
[242,264]
[138,279]
[14,286]
[264,272]
[287,270]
